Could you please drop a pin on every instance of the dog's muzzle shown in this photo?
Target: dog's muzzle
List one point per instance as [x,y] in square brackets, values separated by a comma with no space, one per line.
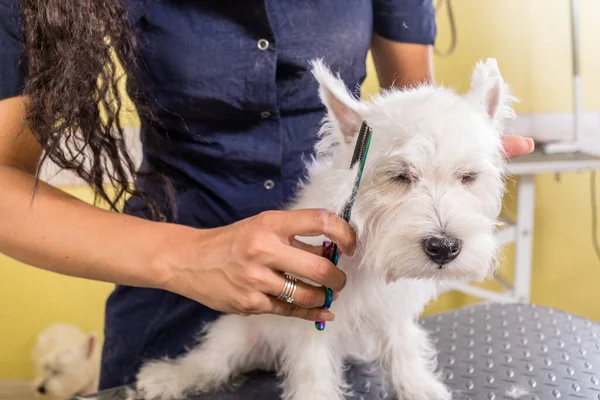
[442,250]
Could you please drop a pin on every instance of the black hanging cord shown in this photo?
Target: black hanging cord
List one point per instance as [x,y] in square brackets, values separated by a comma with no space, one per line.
[452,22]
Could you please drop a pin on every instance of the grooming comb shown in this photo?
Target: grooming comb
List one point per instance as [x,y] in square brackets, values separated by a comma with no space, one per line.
[358,157]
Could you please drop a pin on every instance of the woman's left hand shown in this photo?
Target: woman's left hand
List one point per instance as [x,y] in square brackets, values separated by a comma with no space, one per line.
[516,146]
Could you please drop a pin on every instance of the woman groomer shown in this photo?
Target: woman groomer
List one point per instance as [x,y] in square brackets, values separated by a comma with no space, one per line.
[229,110]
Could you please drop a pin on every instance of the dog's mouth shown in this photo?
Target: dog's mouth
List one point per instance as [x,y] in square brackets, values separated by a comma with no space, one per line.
[442,269]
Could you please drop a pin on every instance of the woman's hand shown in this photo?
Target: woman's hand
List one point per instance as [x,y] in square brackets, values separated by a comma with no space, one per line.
[516,146]
[239,268]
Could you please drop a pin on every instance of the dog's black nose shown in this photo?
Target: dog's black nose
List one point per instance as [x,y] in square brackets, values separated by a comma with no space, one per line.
[442,250]
[41,389]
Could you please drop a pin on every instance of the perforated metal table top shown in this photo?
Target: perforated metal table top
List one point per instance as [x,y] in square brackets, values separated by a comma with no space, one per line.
[486,352]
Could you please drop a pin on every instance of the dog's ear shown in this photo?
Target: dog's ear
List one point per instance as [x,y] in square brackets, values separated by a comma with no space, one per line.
[342,107]
[89,345]
[489,91]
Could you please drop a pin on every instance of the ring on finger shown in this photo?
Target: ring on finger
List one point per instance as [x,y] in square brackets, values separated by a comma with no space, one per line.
[285,292]
[289,289]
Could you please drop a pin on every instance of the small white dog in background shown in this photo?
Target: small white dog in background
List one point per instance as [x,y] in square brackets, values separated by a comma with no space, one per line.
[66,362]
[425,213]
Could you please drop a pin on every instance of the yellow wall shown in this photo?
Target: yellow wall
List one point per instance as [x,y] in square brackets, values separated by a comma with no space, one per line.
[31,299]
[530,40]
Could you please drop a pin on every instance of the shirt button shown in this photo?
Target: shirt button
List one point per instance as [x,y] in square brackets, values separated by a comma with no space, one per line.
[263,44]
[269,184]
[265,114]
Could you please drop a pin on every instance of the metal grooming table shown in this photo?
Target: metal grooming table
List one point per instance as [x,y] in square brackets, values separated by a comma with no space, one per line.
[486,352]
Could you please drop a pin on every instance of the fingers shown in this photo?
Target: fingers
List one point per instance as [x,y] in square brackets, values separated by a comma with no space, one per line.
[260,303]
[516,146]
[306,295]
[316,250]
[303,264]
[317,222]
[290,310]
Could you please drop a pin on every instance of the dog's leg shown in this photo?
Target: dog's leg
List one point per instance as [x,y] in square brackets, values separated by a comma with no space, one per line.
[409,361]
[230,346]
[311,368]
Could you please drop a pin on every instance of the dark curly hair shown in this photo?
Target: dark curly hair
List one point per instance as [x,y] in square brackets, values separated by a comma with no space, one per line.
[73,51]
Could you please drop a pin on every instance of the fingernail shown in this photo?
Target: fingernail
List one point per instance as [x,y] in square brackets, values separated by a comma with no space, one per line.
[326,243]
[326,316]
[531,144]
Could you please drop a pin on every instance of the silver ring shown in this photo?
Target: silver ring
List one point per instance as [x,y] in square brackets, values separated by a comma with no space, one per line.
[286,289]
[290,298]
[287,294]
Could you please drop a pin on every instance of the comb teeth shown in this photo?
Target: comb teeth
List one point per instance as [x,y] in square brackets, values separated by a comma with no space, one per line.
[361,142]
[360,152]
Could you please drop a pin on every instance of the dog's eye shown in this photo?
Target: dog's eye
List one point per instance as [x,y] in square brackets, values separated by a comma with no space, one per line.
[404,177]
[468,178]
[50,370]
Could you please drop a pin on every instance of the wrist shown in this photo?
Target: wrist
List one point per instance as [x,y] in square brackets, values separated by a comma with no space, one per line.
[167,254]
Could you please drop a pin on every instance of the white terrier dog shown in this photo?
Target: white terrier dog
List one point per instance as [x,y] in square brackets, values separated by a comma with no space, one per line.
[67,363]
[425,213]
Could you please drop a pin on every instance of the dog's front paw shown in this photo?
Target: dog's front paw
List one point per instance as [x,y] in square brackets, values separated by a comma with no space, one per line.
[160,380]
[424,389]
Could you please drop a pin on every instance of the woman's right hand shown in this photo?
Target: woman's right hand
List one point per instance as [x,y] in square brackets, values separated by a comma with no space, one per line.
[239,268]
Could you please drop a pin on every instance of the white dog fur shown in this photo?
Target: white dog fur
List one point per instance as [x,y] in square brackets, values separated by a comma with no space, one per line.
[66,362]
[434,169]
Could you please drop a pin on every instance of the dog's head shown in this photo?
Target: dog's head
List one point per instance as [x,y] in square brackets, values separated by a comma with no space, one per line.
[432,186]
[64,361]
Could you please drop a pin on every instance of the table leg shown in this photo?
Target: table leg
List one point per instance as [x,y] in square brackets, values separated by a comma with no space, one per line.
[524,241]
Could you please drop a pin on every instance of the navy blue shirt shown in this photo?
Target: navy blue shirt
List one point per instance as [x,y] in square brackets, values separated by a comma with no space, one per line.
[230,81]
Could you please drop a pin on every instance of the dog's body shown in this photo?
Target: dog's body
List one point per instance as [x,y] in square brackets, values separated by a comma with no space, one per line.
[425,212]
[66,361]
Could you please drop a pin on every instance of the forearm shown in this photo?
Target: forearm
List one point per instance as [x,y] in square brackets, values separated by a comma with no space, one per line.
[401,64]
[60,233]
